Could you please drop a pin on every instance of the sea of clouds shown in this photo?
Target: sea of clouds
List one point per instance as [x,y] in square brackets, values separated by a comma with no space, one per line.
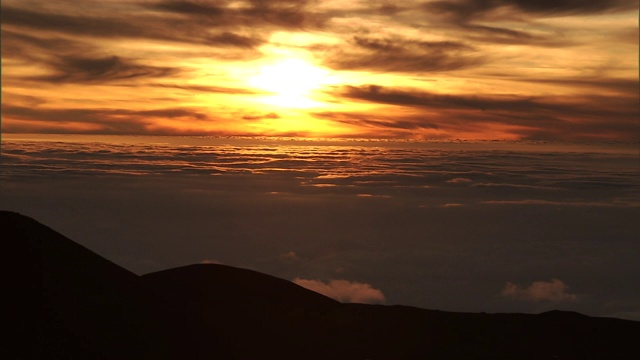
[494,227]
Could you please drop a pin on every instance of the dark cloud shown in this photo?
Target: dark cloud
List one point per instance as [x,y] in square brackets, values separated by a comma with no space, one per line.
[466,10]
[628,87]
[211,89]
[229,38]
[417,98]
[95,26]
[501,35]
[261,116]
[72,69]
[508,35]
[280,14]
[103,121]
[212,23]
[460,11]
[295,14]
[382,126]
[73,61]
[139,24]
[389,9]
[536,117]
[25,46]
[570,7]
[9,97]
[427,126]
[399,44]
[475,19]
[568,105]
[398,54]
[206,9]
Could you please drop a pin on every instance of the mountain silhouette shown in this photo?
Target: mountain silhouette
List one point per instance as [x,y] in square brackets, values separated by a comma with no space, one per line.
[67,302]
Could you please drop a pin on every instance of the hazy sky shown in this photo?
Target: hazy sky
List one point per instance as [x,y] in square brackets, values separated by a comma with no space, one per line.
[498,69]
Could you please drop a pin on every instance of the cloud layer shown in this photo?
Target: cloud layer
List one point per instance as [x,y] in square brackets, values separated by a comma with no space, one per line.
[439,225]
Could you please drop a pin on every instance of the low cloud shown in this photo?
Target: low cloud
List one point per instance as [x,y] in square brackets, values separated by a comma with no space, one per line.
[344,290]
[210,261]
[451,205]
[554,291]
[459,180]
[290,256]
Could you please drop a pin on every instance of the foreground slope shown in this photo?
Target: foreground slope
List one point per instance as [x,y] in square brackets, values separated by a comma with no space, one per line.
[240,313]
[67,302]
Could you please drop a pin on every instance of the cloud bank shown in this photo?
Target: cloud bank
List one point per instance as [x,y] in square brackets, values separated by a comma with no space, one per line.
[443,222]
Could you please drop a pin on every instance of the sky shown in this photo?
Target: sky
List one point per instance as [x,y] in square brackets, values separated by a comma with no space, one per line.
[447,69]
[307,163]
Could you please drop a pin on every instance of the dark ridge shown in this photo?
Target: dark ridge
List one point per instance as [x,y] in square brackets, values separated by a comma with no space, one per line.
[69,302]
[244,313]
[66,302]
[220,285]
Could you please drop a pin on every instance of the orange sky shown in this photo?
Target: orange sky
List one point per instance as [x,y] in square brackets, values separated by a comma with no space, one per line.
[471,69]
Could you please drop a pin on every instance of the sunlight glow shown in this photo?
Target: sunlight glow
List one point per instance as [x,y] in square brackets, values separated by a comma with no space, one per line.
[292,81]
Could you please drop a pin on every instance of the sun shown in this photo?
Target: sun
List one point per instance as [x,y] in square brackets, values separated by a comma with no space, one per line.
[291,82]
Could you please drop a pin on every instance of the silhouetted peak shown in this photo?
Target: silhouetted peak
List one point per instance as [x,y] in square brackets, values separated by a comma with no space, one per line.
[46,251]
[223,284]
